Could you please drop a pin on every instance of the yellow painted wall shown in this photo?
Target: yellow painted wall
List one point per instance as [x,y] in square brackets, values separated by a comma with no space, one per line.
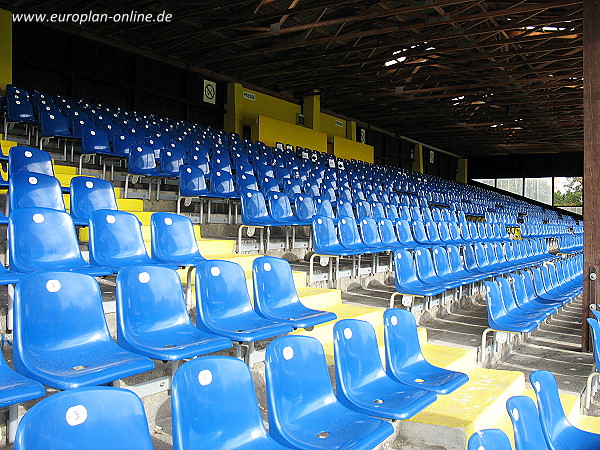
[347,149]
[462,173]
[328,126]
[267,106]
[5,48]
[270,131]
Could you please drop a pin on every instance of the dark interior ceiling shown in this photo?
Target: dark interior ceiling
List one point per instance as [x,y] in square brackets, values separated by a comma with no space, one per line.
[467,76]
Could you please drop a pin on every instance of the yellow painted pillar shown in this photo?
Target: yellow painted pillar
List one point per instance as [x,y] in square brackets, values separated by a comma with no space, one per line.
[351,130]
[418,158]
[311,108]
[232,122]
[461,174]
[5,48]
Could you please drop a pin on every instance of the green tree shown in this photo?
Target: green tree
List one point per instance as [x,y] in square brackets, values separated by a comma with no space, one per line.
[572,193]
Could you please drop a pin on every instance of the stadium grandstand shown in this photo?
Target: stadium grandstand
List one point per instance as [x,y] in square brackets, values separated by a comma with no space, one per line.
[200,195]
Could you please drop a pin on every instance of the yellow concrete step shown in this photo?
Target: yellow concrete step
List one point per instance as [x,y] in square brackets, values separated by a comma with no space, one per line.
[318,298]
[209,247]
[65,178]
[130,204]
[59,169]
[453,418]
[451,358]
[571,405]
[147,232]
[588,423]
[6,145]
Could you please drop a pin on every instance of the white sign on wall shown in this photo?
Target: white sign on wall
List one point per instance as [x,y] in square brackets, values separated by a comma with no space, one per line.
[431,156]
[249,96]
[339,123]
[210,92]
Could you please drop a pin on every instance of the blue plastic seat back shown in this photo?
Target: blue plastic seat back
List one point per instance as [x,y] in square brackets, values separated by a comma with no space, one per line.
[323,207]
[214,405]
[595,331]
[245,181]
[155,144]
[402,346]
[254,207]
[173,238]
[432,231]
[356,353]
[441,261]
[363,209]
[298,381]
[404,232]
[305,207]
[273,284]
[378,211]
[171,160]
[34,190]
[349,233]
[222,294]
[94,141]
[495,305]
[149,300]
[424,262]
[123,143]
[115,238]
[404,268]
[28,159]
[344,209]
[142,160]
[369,232]
[19,109]
[324,233]
[57,314]
[41,238]
[221,183]
[192,182]
[280,206]
[84,418]
[551,412]
[89,194]
[419,233]
[387,232]
[53,123]
[526,424]
[292,187]
[491,439]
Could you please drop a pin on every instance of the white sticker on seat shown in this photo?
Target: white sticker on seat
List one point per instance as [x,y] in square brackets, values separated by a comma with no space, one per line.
[189,170]
[89,184]
[76,415]
[168,221]
[205,377]
[347,333]
[93,132]
[28,154]
[33,180]
[38,218]
[110,218]
[515,413]
[144,277]
[288,353]
[215,271]
[53,285]
[394,320]
[267,267]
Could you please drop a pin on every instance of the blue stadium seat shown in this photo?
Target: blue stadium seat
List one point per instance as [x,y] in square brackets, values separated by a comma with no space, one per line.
[45,239]
[254,209]
[498,317]
[369,233]
[173,240]
[276,298]
[406,278]
[426,270]
[171,159]
[214,405]
[29,159]
[142,162]
[350,237]
[490,439]
[94,142]
[296,374]
[557,429]
[404,360]
[222,185]
[526,424]
[15,388]
[511,307]
[223,304]
[89,194]
[361,383]
[61,336]
[152,319]
[280,210]
[123,143]
[116,240]
[86,418]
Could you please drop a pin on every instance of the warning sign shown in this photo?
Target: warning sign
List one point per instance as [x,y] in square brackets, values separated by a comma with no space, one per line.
[210,92]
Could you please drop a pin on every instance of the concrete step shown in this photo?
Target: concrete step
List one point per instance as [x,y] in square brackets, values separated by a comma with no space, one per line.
[588,423]
[453,418]
[6,145]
